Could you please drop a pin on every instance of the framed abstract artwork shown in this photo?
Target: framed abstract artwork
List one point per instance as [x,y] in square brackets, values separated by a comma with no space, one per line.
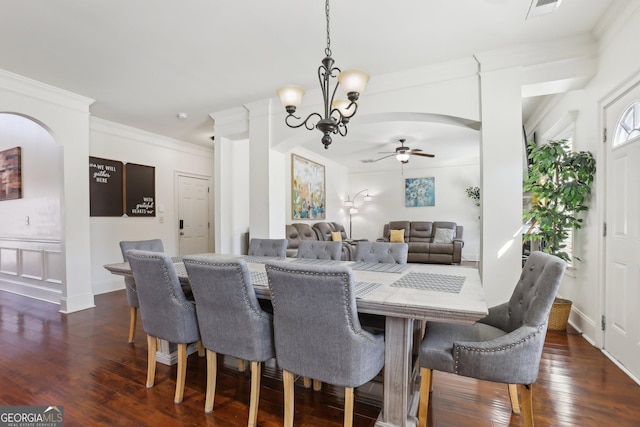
[419,192]
[11,174]
[308,195]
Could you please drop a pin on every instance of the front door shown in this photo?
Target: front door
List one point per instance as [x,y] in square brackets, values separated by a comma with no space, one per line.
[622,269]
[193,215]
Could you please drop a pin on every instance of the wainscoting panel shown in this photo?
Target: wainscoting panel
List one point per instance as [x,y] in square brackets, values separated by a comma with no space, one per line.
[9,261]
[32,262]
[32,268]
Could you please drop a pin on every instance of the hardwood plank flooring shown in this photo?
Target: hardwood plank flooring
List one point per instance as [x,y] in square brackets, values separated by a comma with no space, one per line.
[83,362]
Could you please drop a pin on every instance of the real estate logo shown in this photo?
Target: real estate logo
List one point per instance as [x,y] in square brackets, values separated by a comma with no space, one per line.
[31,416]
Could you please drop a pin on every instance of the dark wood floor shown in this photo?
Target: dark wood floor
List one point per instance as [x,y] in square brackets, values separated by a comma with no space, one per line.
[83,362]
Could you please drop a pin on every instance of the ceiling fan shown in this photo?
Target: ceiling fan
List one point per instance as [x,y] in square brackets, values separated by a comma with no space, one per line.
[402,153]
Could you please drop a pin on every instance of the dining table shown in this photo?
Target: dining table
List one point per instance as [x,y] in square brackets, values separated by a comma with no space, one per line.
[404,294]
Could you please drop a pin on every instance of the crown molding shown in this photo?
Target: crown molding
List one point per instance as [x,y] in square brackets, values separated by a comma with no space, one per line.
[44,92]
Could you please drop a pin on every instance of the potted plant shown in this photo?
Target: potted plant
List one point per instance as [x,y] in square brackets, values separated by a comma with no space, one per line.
[474,194]
[560,184]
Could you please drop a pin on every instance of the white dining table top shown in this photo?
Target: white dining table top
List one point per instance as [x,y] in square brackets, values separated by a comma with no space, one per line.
[463,305]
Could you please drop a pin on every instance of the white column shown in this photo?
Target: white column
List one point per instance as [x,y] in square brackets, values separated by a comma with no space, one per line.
[267,169]
[229,125]
[501,180]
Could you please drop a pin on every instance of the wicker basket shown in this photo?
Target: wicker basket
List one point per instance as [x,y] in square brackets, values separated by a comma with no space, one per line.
[559,315]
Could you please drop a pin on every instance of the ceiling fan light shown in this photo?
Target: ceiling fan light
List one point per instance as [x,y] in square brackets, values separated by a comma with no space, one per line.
[291,95]
[353,82]
[402,156]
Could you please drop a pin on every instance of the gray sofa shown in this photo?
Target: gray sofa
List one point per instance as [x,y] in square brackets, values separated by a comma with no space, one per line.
[320,231]
[426,243]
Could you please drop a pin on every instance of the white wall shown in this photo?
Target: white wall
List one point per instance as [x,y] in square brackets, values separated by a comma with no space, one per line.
[616,66]
[41,181]
[117,142]
[388,204]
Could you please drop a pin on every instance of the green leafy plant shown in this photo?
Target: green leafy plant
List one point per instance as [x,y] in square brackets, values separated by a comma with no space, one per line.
[560,183]
[474,194]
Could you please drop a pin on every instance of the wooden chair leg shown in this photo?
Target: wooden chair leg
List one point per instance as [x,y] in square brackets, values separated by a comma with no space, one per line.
[200,348]
[256,368]
[526,393]
[182,372]
[425,388]
[151,360]
[242,365]
[306,381]
[133,318]
[317,385]
[287,379]
[348,407]
[212,374]
[513,396]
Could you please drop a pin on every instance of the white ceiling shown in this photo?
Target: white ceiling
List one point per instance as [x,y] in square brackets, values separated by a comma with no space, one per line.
[144,61]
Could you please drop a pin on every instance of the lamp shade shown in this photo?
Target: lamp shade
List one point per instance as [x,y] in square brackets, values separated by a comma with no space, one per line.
[353,80]
[367,198]
[402,156]
[348,203]
[290,95]
[343,105]
[353,211]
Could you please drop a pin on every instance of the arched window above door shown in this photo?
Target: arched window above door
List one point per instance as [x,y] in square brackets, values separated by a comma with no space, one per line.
[628,127]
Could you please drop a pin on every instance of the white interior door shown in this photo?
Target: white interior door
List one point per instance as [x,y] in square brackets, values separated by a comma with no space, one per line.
[622,286]
[193,215]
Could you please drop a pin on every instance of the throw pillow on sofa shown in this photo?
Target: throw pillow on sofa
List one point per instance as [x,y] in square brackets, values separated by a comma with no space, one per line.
[336,236]
[397,236]
[443,235]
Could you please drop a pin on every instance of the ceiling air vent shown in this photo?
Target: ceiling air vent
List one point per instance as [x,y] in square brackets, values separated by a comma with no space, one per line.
[542,7]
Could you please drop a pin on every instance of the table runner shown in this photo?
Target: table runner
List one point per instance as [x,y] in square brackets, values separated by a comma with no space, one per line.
[431,282]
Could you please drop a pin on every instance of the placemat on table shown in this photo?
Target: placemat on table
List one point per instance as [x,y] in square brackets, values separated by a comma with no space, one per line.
[362,289]
[431,282]
[379,267]
[310,261]
[254,259]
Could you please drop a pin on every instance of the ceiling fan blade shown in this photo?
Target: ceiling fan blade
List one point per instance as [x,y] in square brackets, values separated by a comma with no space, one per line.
[386,152]
[381,158]
[415,149]
[423,154]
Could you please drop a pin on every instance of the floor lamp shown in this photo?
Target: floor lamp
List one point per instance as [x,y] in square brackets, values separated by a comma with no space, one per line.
[351,204]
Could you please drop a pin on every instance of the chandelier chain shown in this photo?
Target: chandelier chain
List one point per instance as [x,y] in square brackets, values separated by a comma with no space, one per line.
[327,51]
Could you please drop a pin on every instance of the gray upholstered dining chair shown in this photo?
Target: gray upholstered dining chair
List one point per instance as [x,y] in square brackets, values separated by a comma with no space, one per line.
[505,346]
[268,247]
[317,332]
[384,252]
[315,249]
[154,245]
[166,312]
[231,320]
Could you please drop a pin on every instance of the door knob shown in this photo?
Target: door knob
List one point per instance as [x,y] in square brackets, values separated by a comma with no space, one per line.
[182,233]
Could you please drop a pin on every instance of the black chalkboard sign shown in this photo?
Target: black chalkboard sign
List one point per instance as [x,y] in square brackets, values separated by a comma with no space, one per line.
[140,190]
[105,187]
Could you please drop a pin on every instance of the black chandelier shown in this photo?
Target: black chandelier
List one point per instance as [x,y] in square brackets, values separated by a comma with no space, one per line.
[336,112]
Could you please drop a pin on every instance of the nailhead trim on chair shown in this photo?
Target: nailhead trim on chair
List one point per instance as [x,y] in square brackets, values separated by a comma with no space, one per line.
[345,286]
[493,350]
[165,271]
[260,314]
